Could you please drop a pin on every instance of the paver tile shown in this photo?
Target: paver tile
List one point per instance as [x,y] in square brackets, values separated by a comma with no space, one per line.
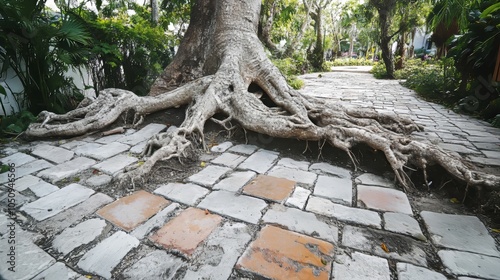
[234,181]
[144,134]
[86,148]
[51,153]
[81,234]
[374,180]
[466,233]
[130,211]
[66,169]
[222,147]
[186,231]
[300,176]
[155,265]
[383,199]
[57,271]
[208,175]
[361,267]
[301,221]
[26,182]
[229,159]
[115,164]
[334,188]
[260,161]
[408,271]
[470,264]
[244,149]
[108,150]
[156,221]
[184,193]
[270,188]
[26,169]
[56,202]
[105,256]
[299,198]
[241,207]
[18,159]
[99,180]
[294,164]
[330,169]
[404,224]
[282,254]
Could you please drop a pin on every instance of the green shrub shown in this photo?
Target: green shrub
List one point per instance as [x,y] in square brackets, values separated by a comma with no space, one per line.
[15,124]
[349,62]
[295,82]
[290,68]
[379,71]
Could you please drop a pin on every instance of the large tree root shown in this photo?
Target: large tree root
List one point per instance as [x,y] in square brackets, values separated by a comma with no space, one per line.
[237,60]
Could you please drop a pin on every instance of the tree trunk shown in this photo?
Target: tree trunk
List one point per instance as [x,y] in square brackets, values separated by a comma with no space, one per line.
[266,24]
[317,56]
[218,60]
[401,51]
[155,12]
[385,43]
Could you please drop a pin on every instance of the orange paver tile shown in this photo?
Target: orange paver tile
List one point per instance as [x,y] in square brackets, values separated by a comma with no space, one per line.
[385,199]
[269,187]
[130,211]
[185,232]
[282,254]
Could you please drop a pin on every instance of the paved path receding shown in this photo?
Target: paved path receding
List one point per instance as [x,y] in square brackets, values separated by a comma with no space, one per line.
[248,212]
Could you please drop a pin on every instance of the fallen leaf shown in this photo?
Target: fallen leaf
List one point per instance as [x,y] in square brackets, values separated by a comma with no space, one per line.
[140,163]
[95,171]
[88,276]
[495,230]
[454,200]
[324,262]
[203,164]
[384,248]
[207,212]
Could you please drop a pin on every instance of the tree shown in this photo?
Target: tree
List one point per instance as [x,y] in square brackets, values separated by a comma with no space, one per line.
[385,9]
[219,59]
[317,56]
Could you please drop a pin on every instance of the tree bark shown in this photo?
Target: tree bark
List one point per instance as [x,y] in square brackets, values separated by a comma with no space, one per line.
[220,57]
[385,10]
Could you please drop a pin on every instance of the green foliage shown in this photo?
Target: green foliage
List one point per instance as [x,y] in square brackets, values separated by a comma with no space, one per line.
[290,68]
[40,48]
[379,71]
[15,124]
[349,62]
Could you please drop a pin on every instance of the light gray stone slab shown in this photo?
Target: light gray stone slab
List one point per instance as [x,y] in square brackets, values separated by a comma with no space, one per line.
[374,180]
[492,154]
[156,221]
[399,247]
[43,188]
[484,161]
[334,188]
[137,149]
[18,159]
[20,199]
[72,144]
[235,181]
[300,176]
[408,271]
[208,175]
[222,147]
[26,182]
[81,234]
[302,222]
[74,214]
[260,161]
[229,159]
[30,260]
[109,139]
[155,265]
[404,224]
[105,256]
[144,134]
[86,148]
[115,164]
[57,271]
[355,215]
[57,202]
[244,149]
[99,180]
[4,223]
[299,198]
[217,258]
[108,150]
[184,193]
[26,169]
[458,148]
[295,164]
[330,169]
[52,153]
[241,207]
[9,151]
[67,169]
[470,264]
[466,233]
[360,266]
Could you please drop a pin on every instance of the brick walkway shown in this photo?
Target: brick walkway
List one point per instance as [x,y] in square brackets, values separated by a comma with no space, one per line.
[249,213]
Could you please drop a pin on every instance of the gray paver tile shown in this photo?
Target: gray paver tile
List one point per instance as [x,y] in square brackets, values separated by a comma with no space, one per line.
[26,182]
[404,224]
[156,221]
[330,169]
[75,213]
[18,159]
[26,169]
[458,148]
[115,164]
[299,198]
[294,164]
[222,147]
[109,139]
[108,150]
[105,256]
[43,188]
[81,234]
[57,202]
[235,181]
[155,265]
[260,161]
[408,271]
[53,154]
[229,159]
[208,175]
[241,207]
[139,148]
[72,144]
[230,241]
[86,148]
[374,180]
[57,271]
[492,154]
[484,161]
[244,149]
[466,233]
[360,216]
[66,169]
[470,264]
[334,188]
[184,193]
[29,259]
[144,134]
[360,267]
[300,176]
[370,240]
[302,222]
[99,180]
